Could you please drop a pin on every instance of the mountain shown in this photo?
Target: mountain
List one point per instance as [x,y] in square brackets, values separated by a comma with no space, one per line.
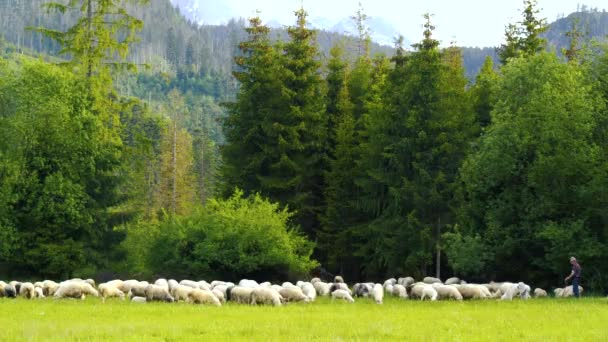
[382,31]
[204,12]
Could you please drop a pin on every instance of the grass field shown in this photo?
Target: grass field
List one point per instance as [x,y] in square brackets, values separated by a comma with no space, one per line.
[533,320]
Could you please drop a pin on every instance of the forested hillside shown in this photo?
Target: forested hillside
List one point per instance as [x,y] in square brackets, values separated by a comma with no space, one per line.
[135,143]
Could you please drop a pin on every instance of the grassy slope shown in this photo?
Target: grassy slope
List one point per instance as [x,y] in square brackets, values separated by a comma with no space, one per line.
[535,320]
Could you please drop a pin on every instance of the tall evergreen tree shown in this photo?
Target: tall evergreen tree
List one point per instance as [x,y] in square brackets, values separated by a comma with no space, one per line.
[483,92]
[524,38]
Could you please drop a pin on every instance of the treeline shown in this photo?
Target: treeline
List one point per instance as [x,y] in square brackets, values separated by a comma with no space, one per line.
[393,166]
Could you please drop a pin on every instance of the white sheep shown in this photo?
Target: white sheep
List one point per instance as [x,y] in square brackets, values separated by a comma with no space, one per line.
[340,286]
[473,291]
[314,280]
[266,296]
[567,291]
[452,281]
[49,287]
[362,290]
[447,291]
[407,281]
[248,283]
[138,290]
[108,291]
[239,294]
[378,293]
[219,295]
[309,291]
[162,283]
[75,289]
[400,291]
[172,283]
[8,290]
[538,293]
[388,288]
[39,292]
[519,289]
[181,292]
[321,288]
[431,280]
[342,294]
[217,283]
[158,293]
[288,284]
[391,281]
[199,296]
[293,294]
[338,279]
[27,290]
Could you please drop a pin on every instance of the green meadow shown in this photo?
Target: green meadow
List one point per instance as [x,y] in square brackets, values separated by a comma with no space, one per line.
[533,320]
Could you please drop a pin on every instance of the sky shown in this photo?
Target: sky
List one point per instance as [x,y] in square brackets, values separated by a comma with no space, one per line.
[467,22]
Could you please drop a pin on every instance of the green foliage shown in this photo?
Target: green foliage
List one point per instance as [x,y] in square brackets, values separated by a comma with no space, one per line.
[524,38]
[466,254]
[535,181]
[227,239]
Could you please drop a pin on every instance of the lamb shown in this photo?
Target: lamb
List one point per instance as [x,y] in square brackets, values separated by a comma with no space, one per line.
[293,294]
[453,280]
[198,296]
[75,289]
[158,293]
[265,295]
[342,294]
[338,279]
[239,294]
[447,291]
[431,280]
[27,290]
[309,291]
[538,293]
[378,293]
[321,288]
[108,291]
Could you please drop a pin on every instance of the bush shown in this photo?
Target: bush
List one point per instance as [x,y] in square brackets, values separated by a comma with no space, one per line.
[227,239]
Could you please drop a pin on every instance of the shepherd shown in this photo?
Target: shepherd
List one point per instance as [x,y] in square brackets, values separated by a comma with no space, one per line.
[575,275]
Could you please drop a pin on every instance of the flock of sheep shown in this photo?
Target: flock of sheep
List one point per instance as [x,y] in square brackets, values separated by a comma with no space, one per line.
[250,292]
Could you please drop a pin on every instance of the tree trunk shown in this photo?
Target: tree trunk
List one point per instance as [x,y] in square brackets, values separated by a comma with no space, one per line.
[174,169]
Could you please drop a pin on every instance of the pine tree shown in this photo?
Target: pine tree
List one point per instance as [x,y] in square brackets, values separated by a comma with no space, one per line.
[524,37]
[483,92]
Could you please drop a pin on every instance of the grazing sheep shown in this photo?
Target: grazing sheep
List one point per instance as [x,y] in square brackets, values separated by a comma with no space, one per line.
[287,284]
[339,286]
[400,291]
[10,291]
[293,294]
[90,282]
[181,292]
[266,284]
[314,280]
[39,284]
[452,281]
[127,285]
[361,290]
[342,294]
[406,282]
[49,288]
[538,293]
[158,293]
[239,294]
[189,283]
[217,283]
[109,291]
[378,293]
[2,286]
[447,291]
[39,292]
[138,290]
[172,283]
[431,280]
[473,291]
[27,290]
[141,300]
[199,296]
[16,285]
[162,283]
[265,296]
[321,288]
[75,289]
[309,291]
[219,295]
[422,291]
[338,279]
[388,288]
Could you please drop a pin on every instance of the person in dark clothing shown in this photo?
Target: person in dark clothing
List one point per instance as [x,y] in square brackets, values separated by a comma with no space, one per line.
[575,275]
